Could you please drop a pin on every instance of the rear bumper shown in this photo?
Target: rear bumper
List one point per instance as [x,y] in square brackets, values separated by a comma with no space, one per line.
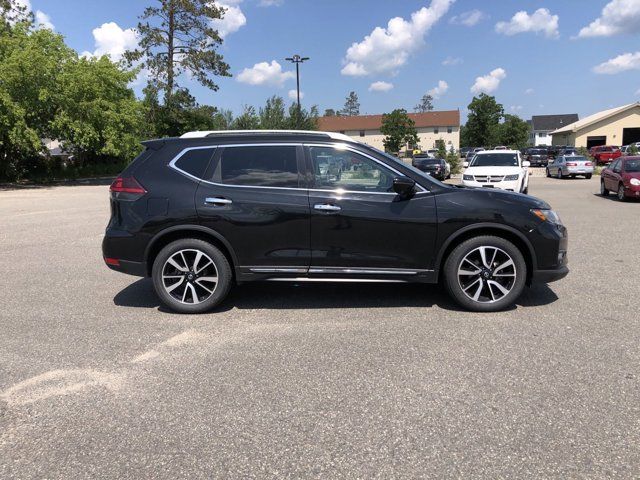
[120,248]
[138,269]
[548,276]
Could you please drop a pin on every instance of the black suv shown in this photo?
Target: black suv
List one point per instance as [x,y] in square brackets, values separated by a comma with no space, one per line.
[203,211]
[436,167]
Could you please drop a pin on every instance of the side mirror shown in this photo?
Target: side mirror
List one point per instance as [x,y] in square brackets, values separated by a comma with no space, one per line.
[465,164]
[404,186]
[526,164]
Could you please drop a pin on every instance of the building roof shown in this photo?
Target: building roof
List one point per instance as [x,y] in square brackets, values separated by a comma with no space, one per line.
[596,117]
[552,122]
[444,118]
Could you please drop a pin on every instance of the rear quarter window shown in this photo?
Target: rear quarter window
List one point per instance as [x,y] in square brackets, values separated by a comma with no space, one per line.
[195,161]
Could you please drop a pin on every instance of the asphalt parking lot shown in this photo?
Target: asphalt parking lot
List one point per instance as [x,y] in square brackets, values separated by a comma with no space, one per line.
[328,381]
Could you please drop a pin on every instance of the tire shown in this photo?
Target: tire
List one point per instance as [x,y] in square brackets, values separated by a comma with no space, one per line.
[621,196]
[603,191]
[193,264]
[548,173]
[588,176]
[526,190]
[489,297]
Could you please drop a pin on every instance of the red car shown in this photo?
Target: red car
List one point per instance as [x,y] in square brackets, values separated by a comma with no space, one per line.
[622,177]
[604,154]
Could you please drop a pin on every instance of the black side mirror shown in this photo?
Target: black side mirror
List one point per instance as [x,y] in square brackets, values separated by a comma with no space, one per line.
[404,186]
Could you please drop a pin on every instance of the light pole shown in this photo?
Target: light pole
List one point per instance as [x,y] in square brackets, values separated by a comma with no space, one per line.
[297,59]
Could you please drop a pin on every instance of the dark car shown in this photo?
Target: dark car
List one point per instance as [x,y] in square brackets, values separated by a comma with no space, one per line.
[622,177]
[464,150]
[436,167]
[210,209]
[537,157]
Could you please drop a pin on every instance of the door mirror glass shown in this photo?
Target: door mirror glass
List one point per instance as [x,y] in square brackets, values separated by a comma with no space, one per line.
[404,186]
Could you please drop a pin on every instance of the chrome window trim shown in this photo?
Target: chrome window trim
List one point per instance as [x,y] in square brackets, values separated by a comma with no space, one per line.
[338,146]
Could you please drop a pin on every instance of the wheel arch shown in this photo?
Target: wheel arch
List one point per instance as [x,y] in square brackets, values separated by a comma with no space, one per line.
[168,235]
[498,230]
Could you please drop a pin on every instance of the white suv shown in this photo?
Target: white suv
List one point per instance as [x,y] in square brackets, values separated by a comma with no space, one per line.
[502,169]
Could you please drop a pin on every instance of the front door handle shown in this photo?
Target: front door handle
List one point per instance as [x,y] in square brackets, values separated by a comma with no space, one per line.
[217,201]
[326,207]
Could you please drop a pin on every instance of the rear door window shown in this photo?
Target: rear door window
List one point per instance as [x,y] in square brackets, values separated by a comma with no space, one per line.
[259,166]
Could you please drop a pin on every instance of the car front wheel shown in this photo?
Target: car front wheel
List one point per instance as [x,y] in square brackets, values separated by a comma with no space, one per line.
[485,274]
[621,196]
[603,190]
[191,276]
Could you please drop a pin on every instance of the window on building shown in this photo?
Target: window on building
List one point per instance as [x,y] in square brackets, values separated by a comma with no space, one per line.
[195,161]
[436,130]
[362,133]
[449,130]
[542,134]
[342,132]
[263,166]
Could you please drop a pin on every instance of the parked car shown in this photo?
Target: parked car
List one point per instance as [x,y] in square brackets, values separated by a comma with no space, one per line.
[604,154]
[570,166]
[568,151]
[210,209]
[537,157]
[503,169]
[501,147]
[623,150]
[622,177]
[464,150]
[436,167]
[626,149]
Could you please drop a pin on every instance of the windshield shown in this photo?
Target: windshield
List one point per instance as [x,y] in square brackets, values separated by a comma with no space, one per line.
[495,160]
[632,166]
[537,152]
[429,160]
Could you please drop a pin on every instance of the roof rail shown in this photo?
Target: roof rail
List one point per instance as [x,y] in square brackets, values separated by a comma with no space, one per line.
[213,133]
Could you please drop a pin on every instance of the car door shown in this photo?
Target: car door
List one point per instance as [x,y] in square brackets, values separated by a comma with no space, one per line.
[616,175]
[257,200]
[607,176]
[358,224]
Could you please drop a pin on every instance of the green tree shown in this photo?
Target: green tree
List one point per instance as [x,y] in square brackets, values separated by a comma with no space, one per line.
[442,148]
[513,132]
[178,36]
[273,115]
[483,121]
[351,105]
[329,112]
[98,115]
[247,120]
[453,159]
[425,105]
[302,119]
[398,130]
[633,149]
[13,12]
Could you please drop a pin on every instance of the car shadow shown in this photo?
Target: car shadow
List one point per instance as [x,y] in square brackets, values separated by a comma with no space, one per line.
[303,295]
[612,197]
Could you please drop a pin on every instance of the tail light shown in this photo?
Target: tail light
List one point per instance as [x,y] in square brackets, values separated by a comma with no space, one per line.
[588,164]
[127,185]
[572,164]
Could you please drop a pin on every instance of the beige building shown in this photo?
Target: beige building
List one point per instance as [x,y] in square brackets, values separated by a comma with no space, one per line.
[431,126]
[617,126]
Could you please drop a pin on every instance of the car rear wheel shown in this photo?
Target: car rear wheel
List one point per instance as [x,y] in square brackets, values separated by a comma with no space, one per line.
[588,176]
[485,274]
[621,196]
[191,276]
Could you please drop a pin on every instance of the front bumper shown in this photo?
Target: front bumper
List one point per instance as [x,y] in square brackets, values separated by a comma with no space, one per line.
[548,276]
[512,185]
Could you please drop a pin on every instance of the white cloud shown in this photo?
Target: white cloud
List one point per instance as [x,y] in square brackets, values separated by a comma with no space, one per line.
[232,20]
[112,40]
[42,20]
[387,49]
[618,16]
[516,108]
[621,63]
[540,21]
[270,3]
[451,61]
[490,82]
[529,91]
[380,87]
[468,19]
[293,95]
[438,91]
[265,73]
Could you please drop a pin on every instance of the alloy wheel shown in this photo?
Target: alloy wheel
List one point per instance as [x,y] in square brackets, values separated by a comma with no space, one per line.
[190,276]
[487,274]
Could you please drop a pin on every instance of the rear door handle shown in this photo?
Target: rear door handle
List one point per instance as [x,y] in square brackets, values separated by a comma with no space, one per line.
[325,207]
[217,201]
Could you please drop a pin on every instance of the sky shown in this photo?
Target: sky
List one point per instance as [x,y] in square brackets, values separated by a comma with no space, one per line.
[536,57]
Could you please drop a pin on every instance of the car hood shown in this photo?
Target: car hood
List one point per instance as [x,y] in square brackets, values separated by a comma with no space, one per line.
[493,170]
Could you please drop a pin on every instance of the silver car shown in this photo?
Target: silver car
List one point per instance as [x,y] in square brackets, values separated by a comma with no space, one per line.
[570,166]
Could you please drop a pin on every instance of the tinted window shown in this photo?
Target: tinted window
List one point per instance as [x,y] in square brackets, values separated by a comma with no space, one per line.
[342,169]
[262,166]
[195,162]
[495,160]
[429,160]
[632,166]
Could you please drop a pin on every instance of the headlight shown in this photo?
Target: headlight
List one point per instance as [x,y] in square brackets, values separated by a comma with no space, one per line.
[547,216]
[634,181]
[509,178]
[468,177]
